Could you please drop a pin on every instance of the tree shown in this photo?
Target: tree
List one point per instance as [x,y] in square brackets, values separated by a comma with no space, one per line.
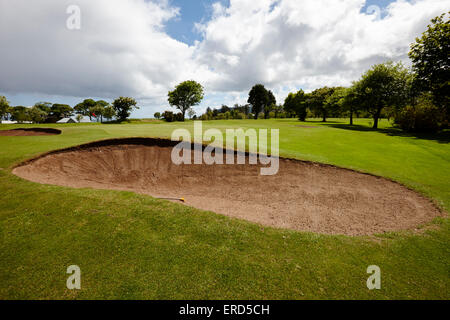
[4,106]
[295,104]
[85,107]
[349,102]
[186,95]
[384,85]
[431,63]
[278,110]
[123,107]
[99,109]
[271,103]
[59,111]
[317,101]
[19,113]
[333,103]
[44,106]
[157,115]
[109,112]
[168,116]
[37,115]
[258,97]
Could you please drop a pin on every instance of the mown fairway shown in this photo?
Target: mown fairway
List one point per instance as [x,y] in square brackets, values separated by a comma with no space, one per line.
[130,246]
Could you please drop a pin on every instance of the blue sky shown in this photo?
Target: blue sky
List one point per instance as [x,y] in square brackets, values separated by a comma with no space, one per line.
[130,54]
[191,12]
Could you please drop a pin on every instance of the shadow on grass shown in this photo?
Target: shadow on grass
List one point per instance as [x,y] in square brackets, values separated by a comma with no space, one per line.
[441,137]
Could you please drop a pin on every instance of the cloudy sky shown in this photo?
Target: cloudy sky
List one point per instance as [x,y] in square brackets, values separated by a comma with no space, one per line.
[143,48]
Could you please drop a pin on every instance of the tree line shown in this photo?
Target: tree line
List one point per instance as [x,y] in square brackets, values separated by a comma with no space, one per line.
[416,99]
[47,112]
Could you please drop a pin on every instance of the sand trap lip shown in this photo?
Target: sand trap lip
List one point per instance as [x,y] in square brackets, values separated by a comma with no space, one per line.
[303,196]
[30,132]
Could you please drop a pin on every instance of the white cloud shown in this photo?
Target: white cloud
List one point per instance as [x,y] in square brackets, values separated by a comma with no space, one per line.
[308,43]
[123,49]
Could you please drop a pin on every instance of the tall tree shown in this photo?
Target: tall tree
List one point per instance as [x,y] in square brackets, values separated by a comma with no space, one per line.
[59,111]
[85,107]
[19,113]
[430,57]
[109,112]
[186,95]
[123,107]
[317,101]
[99,109]
[271,104]
[44,106]
[295,104]
[258,97]
[37,115]
[333,103]
[384,85]
[349,102]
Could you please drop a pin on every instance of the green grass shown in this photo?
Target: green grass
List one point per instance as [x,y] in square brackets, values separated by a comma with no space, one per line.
[130,246]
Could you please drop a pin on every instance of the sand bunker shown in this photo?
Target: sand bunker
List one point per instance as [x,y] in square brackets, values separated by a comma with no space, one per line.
[30,132]
[302,196]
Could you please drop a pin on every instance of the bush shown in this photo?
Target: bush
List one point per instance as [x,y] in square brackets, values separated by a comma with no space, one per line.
[168,116]
[424,117]
[178,117]
[241,116]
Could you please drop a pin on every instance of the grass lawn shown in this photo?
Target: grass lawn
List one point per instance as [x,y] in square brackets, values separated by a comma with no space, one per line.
[131,246]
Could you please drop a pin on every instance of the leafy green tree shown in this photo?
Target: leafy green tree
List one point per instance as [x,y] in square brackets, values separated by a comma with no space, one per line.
[334,102]
[61,110]
[317,101]
[423,116]
[430,57]
[186,95]
[109,112]
[98,110]
[278,110]
[271,104]
[85,107]
[384,85]
[157,115]
[37,115]
[295,104]
[4,106]
[19,113]
[349,102]
[123,107]
[258,97]
[44,106]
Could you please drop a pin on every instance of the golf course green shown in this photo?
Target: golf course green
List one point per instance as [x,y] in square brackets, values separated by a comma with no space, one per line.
[132,246]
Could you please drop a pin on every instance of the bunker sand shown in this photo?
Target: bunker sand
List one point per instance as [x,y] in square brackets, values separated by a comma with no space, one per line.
[302,196]
[30,132]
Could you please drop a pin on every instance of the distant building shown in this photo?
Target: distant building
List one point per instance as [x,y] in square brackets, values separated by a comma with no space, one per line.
[66,120]
[73,119]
